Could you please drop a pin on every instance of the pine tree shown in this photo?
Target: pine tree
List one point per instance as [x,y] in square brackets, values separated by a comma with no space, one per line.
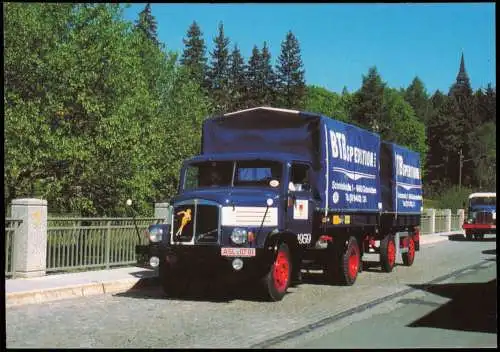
[268,78]
[368,102]
[193,56]
[417,97]
[218,71]
[253,84]
[291,86]
[147,24]
[237,89]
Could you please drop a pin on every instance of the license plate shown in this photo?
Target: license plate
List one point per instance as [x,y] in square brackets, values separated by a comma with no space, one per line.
[237,252]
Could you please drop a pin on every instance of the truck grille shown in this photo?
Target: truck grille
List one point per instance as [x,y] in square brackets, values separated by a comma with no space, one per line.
[200,220]
[484,217]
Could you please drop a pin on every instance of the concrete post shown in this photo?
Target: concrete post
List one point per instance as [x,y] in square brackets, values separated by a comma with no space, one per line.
[461,218]
[447,220]
[163,211]
[432,219]
[31,238]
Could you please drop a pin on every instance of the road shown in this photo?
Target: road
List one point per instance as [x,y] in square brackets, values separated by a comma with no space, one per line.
[446,299]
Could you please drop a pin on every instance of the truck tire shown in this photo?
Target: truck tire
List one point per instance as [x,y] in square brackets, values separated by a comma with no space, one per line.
[350,262]
[409,257]
[172,283]
[387,253]
[468,236]
[278,278]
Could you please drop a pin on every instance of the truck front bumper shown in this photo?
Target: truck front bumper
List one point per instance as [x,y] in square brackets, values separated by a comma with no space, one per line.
[479,228]
[204,261]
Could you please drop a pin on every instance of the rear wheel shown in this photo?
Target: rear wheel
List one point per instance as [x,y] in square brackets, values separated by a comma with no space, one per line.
[409,256]
[350,262]
[277,280]
[387,253]
[343,265]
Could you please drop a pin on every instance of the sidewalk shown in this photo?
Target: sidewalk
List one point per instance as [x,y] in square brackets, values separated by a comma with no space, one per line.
[88,283]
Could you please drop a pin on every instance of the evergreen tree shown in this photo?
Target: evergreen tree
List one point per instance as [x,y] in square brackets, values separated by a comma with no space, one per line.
[291,87]
[417,97]
[237,89]
[268,78]
[368,102]
[218,72]
[193,56]
[490,104]
[147,24]
[254,88]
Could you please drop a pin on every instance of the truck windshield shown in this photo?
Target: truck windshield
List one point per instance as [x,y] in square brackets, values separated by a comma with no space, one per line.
[220,174]
[489,201]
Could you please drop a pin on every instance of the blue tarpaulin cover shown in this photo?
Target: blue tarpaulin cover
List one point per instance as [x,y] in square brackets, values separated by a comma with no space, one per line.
[345,158]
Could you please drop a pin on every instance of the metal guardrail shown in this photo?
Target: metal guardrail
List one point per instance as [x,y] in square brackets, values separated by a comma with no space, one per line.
[92,243]
[11,226]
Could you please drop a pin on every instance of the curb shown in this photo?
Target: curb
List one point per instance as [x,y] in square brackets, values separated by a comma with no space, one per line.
[84,290]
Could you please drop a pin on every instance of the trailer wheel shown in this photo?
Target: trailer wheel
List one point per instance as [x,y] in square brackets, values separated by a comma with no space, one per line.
[173,284]
[277,280]
[350,262]
[409,256]
[387,253]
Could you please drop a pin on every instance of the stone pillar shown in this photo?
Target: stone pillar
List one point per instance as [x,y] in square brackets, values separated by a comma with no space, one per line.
[30,243]
[447,220]
[163,211]
[431,213]
[461,217]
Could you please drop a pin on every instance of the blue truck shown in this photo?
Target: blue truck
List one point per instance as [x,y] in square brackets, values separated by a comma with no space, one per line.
[275,192]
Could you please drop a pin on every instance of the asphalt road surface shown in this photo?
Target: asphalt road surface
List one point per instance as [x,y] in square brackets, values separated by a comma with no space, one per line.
[446,299]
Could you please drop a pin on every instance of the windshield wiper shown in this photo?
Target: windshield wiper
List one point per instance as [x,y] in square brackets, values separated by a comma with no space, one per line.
[202,235]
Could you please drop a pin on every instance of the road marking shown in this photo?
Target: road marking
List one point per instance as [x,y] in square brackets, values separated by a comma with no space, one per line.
[359,309]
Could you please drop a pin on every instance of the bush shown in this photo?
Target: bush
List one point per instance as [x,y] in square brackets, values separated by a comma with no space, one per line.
[453,198]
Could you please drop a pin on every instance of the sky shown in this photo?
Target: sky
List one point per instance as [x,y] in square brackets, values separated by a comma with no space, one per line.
[340,42]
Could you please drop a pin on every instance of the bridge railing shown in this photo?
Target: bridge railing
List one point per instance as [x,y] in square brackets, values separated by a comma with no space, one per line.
[11,227]
[92,243]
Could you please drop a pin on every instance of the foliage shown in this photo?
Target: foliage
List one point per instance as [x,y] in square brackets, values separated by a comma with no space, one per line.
[453,198]
[147,24]
[290,74]
[417,97]
[218,71]
[322,101]
[237,80]
[368,102]
[193,56]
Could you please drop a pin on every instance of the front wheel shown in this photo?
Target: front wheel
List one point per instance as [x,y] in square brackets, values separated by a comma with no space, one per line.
[277,280]
[350,262]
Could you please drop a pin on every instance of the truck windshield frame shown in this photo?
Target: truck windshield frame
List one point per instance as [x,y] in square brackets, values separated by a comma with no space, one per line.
[488,201]
[233,174]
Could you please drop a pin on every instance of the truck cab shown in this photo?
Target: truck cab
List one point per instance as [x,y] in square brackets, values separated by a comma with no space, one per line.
[481,215]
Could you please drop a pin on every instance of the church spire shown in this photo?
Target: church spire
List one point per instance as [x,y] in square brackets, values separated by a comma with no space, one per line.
[462,85]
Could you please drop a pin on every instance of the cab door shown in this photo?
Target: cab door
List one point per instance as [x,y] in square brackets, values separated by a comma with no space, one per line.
[300,203]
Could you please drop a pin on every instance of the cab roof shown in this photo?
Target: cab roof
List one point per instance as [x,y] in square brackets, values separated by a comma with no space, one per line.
[482,194]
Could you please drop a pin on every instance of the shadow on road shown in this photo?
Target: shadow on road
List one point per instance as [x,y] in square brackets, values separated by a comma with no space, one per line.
[472,307]
[198,290]
[461,237]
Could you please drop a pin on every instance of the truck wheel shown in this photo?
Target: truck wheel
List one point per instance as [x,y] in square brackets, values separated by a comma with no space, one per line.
[350,262]
[277,280]
[468,236]
[173,284]
[343,266]
[409,256]
[387,253]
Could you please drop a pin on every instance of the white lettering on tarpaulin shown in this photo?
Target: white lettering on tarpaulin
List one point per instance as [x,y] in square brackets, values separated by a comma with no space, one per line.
[406,170]
[342,150]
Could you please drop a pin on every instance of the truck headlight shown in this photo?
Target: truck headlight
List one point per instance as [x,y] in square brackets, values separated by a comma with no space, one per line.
[155,234]
[239,236]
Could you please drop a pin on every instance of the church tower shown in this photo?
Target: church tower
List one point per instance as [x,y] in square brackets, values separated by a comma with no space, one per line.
[462,86]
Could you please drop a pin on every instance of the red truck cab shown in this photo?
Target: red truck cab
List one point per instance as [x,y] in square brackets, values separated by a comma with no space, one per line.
[481,215]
